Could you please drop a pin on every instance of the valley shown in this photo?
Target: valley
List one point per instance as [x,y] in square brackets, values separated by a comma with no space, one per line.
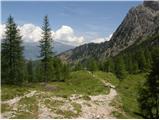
[55,72]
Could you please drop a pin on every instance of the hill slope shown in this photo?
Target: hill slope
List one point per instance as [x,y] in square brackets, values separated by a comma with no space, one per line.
[140,22]
[31,50]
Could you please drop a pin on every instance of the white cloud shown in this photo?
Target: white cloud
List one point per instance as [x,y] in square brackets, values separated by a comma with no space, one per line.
[32,33]
[65,34]
[99,40]
[2,31]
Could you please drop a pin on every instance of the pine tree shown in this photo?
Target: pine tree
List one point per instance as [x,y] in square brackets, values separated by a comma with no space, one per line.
[148,58]
[141,60]
[12,55]
[92,65]
[78,66]
[120,69]
[38,73]
[65,71]
[135,68]
[57,70]
[149,94]
[108,65]
[30,71]
[46,53]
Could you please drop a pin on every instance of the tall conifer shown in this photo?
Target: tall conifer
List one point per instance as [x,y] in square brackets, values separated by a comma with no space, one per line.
[12,63]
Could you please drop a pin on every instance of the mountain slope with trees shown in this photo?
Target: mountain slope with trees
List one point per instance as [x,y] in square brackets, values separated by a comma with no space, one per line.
[140,22]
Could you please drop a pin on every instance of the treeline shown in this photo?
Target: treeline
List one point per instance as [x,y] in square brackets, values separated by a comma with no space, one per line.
[135,59]
[149,93]
[16,70]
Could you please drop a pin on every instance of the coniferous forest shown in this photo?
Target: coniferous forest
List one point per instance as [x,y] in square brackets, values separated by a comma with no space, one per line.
[109,80]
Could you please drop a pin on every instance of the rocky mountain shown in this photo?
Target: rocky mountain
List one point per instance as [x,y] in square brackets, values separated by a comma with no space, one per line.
[140,22]
[31,50]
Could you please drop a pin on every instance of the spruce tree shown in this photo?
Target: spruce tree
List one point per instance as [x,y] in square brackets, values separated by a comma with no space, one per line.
[30,71]
[92,65]
[65,71]
[149,94]
[46,53]
[120,69]
[109,65]
[12,63]
[141,60]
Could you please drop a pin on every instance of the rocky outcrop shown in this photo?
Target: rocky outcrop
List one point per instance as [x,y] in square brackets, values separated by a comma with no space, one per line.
[140,22]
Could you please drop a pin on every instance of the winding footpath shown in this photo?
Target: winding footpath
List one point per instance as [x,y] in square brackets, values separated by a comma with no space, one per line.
[103,109]
[98,107]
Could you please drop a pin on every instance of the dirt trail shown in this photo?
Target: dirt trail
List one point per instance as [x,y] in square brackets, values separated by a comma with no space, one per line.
[17,99]
[97,107]
[100,104]
[13,102]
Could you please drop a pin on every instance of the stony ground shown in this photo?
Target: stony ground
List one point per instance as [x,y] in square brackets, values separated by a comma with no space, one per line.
[46,106]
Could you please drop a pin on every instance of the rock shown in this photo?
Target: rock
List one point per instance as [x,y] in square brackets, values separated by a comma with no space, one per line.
[140,22]
[51,88]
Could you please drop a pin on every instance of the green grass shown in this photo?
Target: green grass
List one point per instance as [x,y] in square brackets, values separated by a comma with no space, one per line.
[27,108]
[53,104]
[77,107]
[108,77]
[80,82]
[5,108]
[85,97]
[118,115]
[128,91]
[68,114]
[11,91]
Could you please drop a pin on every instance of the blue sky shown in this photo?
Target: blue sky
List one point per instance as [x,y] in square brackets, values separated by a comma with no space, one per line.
[89,19]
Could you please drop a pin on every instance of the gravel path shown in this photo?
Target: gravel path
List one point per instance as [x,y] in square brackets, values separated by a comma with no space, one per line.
[98,107]
[17,99]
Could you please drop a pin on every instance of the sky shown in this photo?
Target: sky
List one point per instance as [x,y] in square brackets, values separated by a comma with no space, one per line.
[72,23]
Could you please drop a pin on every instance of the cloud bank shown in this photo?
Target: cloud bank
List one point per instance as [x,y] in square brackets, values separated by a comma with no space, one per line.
[65,34]
[99,40]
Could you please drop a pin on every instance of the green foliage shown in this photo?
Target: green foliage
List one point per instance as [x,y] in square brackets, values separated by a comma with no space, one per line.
[12,61]
[30,71]
[92,65]
[135,59]
[128,89]
[10,91]
[5,108]
[78,67]
[149,93]
[53,104]
[29,109]
[108,65]
[46,53]
[139,57]
[61,70]
[75,85]
[108,77]
[77,107]
[120,69]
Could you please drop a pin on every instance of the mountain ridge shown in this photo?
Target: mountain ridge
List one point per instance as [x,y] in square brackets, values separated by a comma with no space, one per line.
[31,50]
[140,22]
